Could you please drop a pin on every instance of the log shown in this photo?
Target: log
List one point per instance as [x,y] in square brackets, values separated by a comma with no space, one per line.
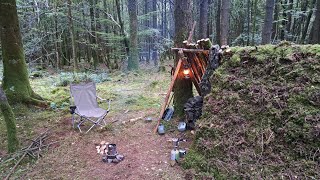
[191,50]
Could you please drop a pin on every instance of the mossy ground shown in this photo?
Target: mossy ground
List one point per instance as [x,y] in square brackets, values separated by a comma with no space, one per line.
[262,118]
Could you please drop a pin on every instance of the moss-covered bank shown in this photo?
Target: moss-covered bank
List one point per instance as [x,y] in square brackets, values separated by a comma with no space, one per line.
[262,118]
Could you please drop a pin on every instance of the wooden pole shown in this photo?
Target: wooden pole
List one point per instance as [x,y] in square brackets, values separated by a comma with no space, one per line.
[163,108]
[191,32]
[191,50]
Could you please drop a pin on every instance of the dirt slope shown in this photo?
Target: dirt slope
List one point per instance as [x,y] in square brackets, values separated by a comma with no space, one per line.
[262,118]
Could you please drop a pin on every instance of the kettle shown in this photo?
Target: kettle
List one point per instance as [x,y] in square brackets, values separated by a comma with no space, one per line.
[182,126]
[161,129]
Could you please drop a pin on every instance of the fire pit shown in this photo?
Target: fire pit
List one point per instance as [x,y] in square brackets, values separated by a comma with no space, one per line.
[109,152]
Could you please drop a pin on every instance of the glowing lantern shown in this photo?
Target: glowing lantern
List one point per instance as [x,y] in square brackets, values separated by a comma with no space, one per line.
[186,72]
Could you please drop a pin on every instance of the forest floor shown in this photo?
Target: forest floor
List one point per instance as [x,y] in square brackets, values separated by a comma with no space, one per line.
[134,97]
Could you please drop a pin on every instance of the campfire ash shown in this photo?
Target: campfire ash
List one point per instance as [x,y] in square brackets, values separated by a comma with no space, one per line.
[109,152]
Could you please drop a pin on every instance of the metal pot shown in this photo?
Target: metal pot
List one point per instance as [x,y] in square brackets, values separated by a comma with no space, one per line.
[161,129]
[182,153]
[182,126]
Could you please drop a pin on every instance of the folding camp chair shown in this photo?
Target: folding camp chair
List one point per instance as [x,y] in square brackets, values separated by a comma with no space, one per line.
[86,106]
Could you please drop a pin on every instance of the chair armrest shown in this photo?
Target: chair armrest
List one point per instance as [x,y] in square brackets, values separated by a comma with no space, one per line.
[106,100]
[101,99]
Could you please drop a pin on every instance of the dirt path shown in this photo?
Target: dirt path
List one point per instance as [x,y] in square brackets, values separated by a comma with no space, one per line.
[146,155]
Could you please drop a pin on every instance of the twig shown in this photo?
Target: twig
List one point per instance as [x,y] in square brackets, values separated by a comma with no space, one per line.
[16,165]
[24,154]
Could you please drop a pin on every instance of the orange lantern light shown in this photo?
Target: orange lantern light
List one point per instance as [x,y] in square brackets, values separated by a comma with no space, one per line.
[186,72]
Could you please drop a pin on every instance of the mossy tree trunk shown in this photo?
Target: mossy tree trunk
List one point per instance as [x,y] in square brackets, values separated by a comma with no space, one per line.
[8,115]
[133,62]
[15,74]
[183,22]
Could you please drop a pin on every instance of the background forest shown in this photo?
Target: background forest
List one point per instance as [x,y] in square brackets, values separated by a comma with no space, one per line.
[260,118]
[97,31]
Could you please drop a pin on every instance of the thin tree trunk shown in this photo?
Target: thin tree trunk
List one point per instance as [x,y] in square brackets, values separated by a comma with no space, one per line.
[290,20]
[133,62]
[248,22]
[165,20]
[125,38]
[155,37]
[73,44]
[307,24]
[225,15]
[275,18]
[283,33]
[93,34]
[315,37]
[218,23]
[267,27]
[56,44]
[146,27]
[203,23]
[254,19]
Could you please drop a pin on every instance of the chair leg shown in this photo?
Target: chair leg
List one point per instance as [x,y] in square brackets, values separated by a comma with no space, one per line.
[79,124]
[72,121]
[98,123]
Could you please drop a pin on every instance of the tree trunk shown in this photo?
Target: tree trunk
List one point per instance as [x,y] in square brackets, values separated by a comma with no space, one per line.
[133,61]
[283,33]
[15,73]
[73,44]
[267,27]
[56,41]
[290,20]
[93,34]
[155,37]
[183,87]
[146,50]
[225,15]
[9,118]
[307,24]
[248,22]
[315,37]
[254,19]
[125,38]
[275,18]
[165,20]
[203,23]
[218,23]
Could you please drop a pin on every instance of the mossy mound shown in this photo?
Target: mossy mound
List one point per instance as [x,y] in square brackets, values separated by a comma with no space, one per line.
[262,118]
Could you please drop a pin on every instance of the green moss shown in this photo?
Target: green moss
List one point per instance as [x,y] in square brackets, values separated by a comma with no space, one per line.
[268,93]
[194,160]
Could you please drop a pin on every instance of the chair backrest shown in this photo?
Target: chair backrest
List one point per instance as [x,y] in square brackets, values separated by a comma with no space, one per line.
[84,95]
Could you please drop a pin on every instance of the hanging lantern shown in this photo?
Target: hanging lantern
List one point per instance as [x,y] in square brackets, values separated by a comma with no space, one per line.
[186,72]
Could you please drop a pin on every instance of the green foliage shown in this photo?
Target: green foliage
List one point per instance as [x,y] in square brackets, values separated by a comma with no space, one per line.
[65,78]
